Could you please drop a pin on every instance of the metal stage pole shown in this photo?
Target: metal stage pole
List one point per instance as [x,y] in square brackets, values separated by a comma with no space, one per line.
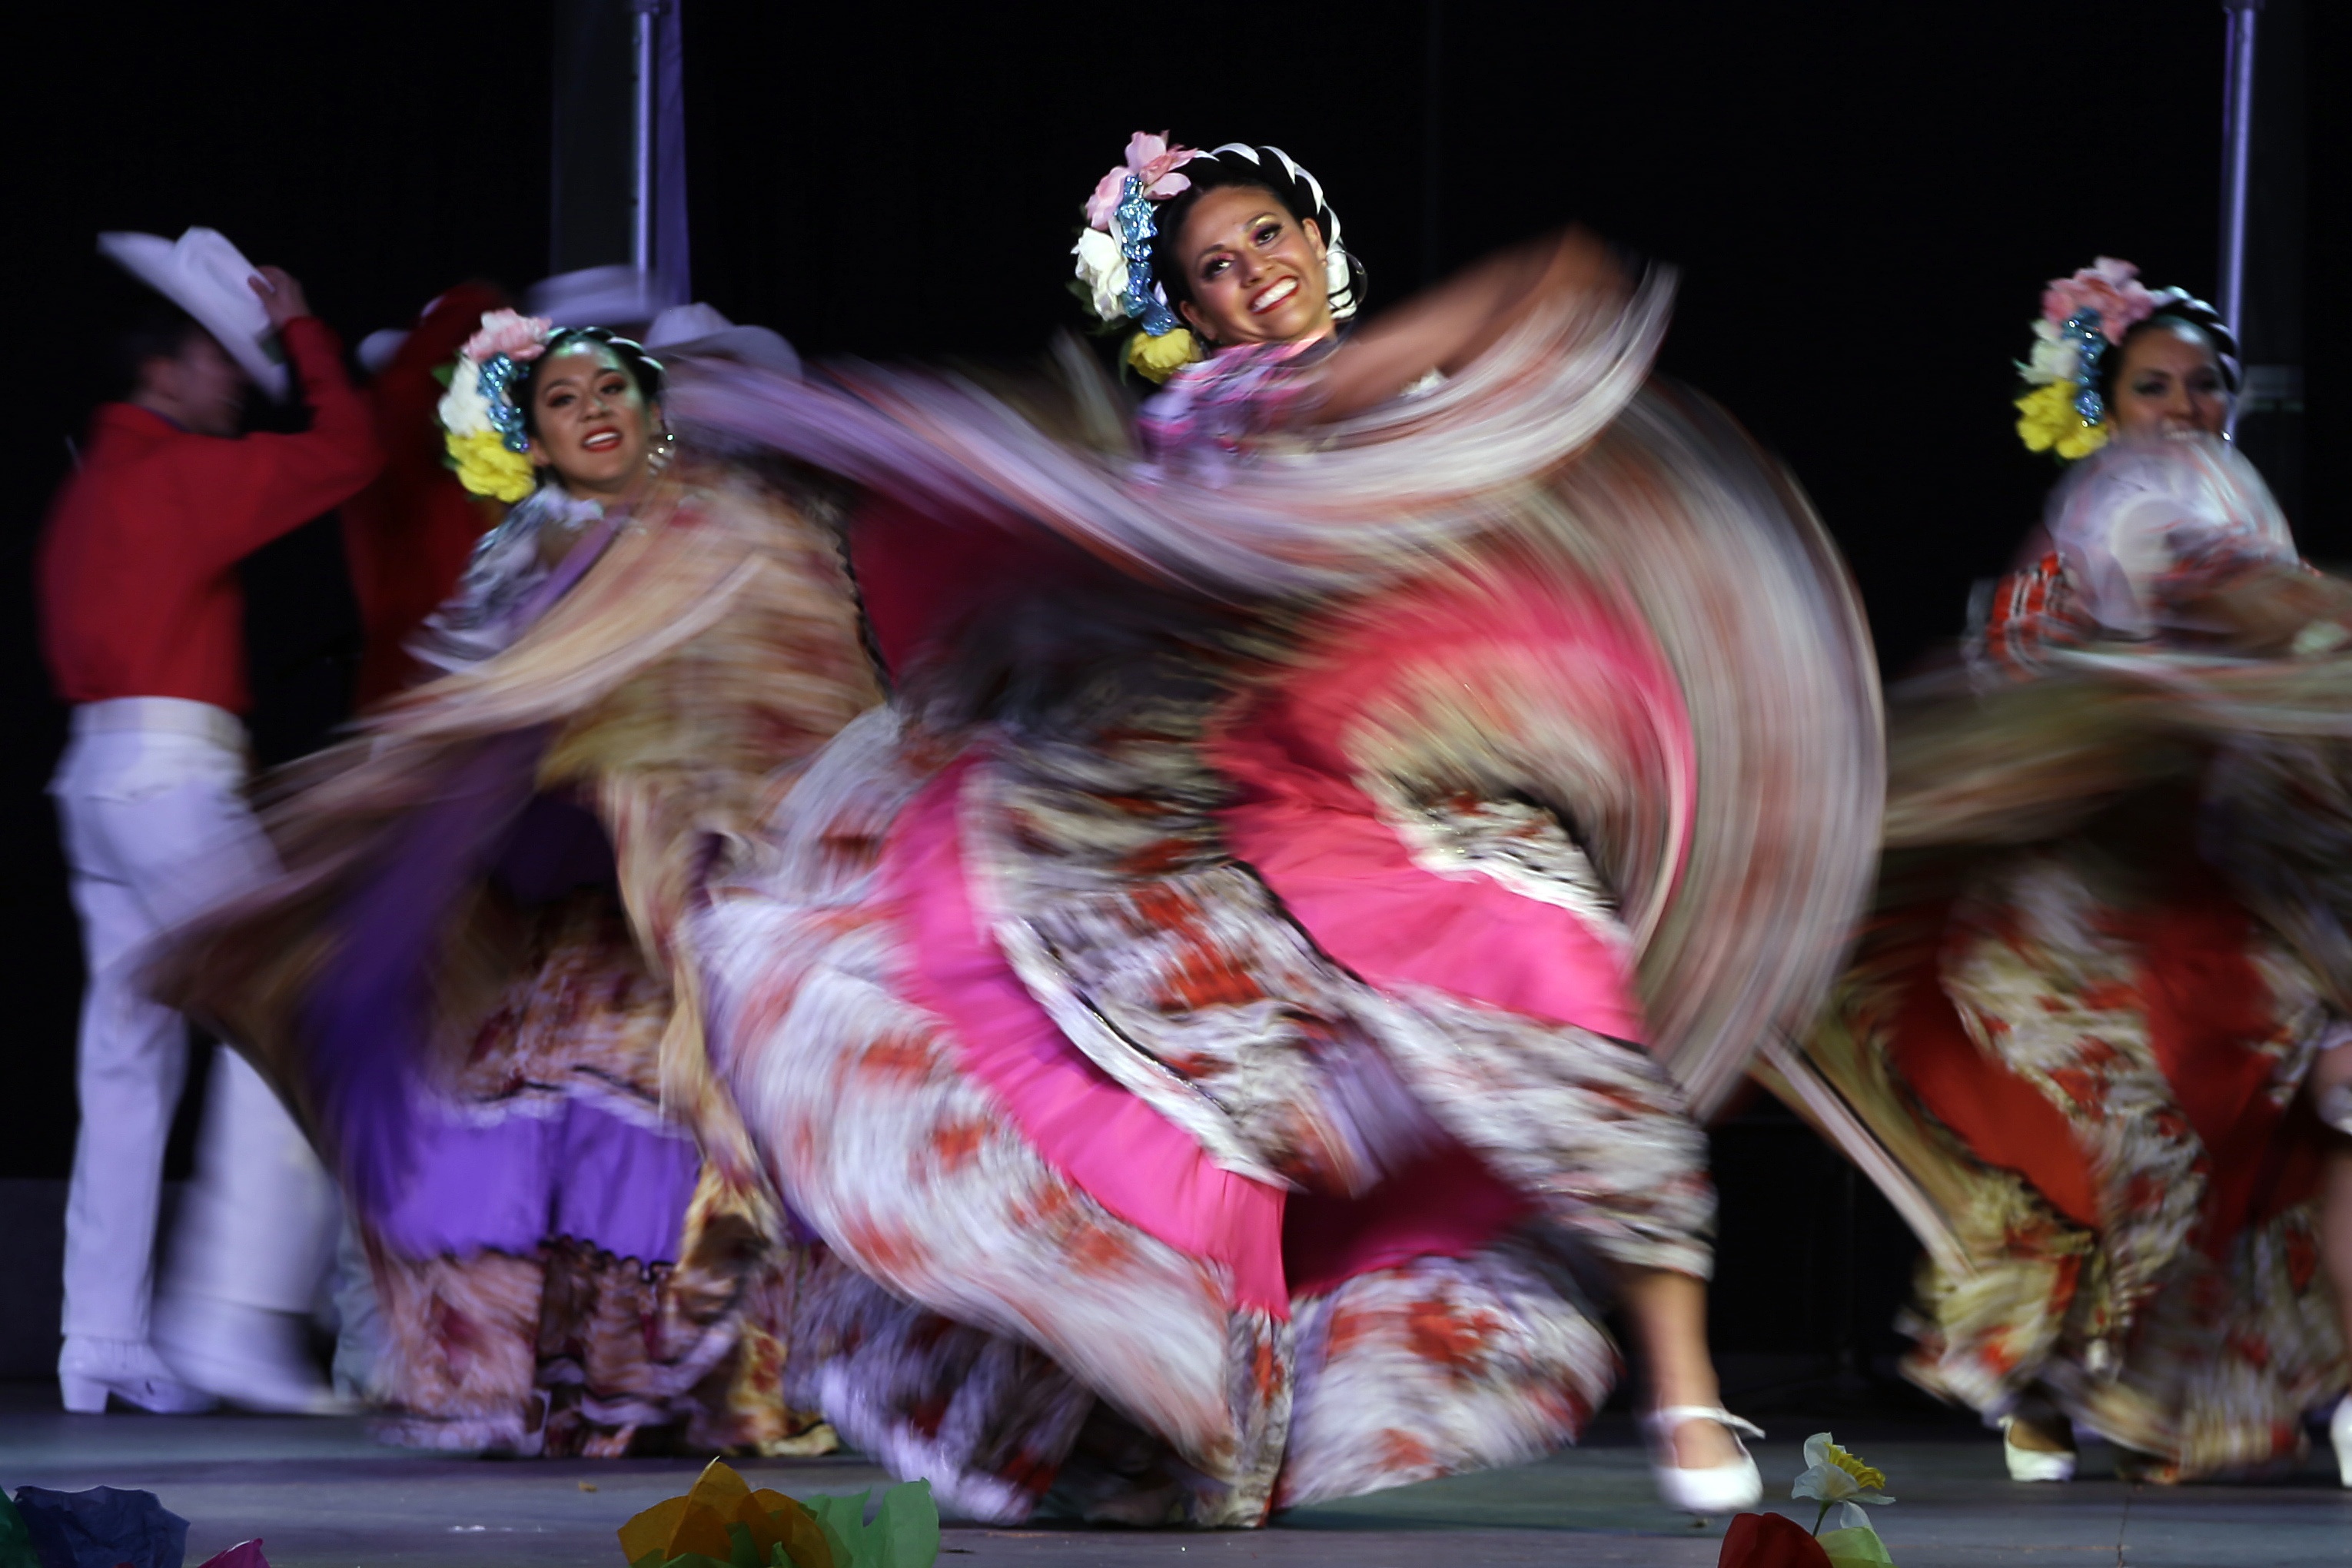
[619,250]
[2237,146]
[646,26]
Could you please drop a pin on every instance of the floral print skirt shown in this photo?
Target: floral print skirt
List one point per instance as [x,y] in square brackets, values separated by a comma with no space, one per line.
[1129,1196]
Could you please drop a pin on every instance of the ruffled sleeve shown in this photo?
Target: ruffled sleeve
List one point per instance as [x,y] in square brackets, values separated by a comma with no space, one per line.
[2145,530]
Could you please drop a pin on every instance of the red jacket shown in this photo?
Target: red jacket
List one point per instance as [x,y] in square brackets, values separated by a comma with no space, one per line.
[138,567]
[408,535]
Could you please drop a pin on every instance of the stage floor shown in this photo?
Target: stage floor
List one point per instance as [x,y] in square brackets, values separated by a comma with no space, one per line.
[322,1495]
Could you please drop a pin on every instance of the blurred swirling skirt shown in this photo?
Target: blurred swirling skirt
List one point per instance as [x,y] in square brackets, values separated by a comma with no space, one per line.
[471,986]
[2110,941]
[1222,1056]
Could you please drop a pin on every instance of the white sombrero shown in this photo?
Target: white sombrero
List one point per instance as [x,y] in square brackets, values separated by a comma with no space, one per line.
[699,329]
[204,275]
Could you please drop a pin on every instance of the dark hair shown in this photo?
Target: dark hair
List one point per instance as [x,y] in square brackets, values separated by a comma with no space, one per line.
[1265,168]
[156,329]
[643,368]
[2178,311]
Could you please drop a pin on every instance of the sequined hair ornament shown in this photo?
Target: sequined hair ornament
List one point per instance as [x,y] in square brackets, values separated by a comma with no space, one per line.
[2082,318]
[1114,252]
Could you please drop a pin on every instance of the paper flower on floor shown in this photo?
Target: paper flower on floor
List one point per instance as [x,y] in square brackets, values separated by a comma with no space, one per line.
[105,1527]
[1769,1540]
[16,1546]
[1837,1479]
[723,1523]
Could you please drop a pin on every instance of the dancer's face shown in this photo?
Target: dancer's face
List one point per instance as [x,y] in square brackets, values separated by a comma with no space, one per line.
[2170,383]
[1255,273]
[591,422]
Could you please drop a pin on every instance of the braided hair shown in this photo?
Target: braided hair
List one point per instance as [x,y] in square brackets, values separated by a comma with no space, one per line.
[1273,171]
[2178,310]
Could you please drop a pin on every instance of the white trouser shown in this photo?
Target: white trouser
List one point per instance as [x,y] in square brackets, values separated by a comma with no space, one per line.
[156,831]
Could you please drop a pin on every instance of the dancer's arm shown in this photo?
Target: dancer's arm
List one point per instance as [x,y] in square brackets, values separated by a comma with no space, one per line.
[1451,325]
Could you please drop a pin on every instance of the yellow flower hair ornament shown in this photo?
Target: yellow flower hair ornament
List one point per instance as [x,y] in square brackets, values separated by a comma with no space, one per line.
[1156,359]
[2048,421]
[486,466]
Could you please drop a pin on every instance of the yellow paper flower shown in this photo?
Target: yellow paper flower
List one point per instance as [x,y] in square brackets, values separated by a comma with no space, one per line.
[1868,1477]
[696,1524]
[2047,420]
[1159,358]
[487,467]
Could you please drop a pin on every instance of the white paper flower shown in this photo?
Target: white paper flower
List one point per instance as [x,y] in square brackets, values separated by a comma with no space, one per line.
[464,410]
[1834,1476]
[2055,358]
[1103,269]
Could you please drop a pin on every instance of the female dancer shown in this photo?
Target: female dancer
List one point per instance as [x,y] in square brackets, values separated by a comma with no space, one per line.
[464,981]
[1203,1017]
[2109,950]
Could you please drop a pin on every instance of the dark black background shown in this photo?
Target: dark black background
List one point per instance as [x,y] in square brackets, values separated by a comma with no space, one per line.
[1863,201]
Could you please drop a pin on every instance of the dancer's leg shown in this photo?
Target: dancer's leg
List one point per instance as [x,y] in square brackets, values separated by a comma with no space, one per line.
[258,1224]
[129,1066]
[1667,1313]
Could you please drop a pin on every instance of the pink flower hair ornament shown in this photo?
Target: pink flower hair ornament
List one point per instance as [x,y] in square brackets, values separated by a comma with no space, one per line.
[2108,290]
[1151,163]
[509,332]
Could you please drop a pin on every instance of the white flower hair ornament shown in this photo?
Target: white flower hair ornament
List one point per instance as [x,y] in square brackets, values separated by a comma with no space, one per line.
[481,426]
[1114,251]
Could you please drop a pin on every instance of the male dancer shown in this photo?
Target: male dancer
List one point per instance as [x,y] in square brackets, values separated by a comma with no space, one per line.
[141,627]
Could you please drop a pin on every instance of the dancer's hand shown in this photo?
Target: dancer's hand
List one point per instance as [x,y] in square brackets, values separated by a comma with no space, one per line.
[281,295]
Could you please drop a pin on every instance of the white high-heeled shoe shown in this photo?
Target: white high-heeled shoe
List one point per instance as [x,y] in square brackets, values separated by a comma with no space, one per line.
[1715,1489]
[2340,1432]
[250,1357]
[2033,1464]
[89,1370]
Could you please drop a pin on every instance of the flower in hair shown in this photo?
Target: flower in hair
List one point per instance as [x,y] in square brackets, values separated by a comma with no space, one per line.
[1102,267]
[1151,163]
[509,332]
[2108,292]
[1157,358]
[487,467]
[2055,357]
[482,427]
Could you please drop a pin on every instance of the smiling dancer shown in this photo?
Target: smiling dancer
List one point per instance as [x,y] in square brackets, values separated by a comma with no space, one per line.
[467,977]
[1231,1012]
[2112,951]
